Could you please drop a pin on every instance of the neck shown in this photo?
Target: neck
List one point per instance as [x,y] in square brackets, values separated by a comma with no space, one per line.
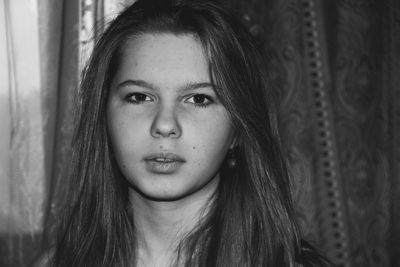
[161,225]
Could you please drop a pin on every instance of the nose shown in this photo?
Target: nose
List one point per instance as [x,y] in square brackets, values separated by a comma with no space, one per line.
[165,124]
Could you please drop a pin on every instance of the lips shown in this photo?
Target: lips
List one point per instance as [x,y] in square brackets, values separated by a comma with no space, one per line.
[164,157]
[163,163]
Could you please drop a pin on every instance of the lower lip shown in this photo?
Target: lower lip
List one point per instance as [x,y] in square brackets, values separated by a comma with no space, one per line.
[163,167]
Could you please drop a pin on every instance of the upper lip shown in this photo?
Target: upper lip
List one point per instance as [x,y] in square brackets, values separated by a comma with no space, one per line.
[163,155]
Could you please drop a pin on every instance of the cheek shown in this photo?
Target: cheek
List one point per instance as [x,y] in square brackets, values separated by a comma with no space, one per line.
[125,134]
[125,146]
[119,132]
[212,140]
[123,124]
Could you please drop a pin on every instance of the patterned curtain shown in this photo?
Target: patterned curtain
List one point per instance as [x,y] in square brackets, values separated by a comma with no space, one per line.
[335,65]
[336,69]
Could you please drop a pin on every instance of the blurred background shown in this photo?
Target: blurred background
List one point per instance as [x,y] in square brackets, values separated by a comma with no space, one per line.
[336,68]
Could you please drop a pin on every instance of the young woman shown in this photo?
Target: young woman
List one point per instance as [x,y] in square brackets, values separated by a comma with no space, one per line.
[176,156]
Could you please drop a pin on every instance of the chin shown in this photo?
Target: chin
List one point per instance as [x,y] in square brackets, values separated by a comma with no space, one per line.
[164,196]
[168,190]
[161,192]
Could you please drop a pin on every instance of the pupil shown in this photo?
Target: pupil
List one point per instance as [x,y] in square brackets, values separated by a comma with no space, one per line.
[140,97]
[199,99]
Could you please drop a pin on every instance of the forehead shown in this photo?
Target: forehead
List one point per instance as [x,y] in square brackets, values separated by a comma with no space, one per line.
[152,53]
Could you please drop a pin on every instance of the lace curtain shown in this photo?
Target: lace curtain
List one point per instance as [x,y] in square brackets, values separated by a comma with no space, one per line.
[38,73]
[336,65]
[22,147]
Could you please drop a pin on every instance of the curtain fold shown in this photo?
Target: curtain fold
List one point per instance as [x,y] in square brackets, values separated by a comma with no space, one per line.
[22,165]
[68,65]
[391,81]
[39,41]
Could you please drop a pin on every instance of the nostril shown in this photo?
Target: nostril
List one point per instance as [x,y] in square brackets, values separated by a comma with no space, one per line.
[165,126]
[164,133]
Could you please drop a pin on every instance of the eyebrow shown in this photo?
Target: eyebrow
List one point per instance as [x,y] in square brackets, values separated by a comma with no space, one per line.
[147,85]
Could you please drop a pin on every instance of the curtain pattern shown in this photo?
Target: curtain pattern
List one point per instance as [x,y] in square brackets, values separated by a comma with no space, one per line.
[357,56]
[336,69]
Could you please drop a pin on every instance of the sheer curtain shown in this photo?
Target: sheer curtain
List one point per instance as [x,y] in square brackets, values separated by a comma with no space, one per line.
[39,70]
[22,145]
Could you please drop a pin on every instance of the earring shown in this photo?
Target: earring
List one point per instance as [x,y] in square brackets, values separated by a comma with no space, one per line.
[231,159]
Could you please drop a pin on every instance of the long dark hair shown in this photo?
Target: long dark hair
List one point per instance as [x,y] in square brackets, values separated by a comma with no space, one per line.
[251,221]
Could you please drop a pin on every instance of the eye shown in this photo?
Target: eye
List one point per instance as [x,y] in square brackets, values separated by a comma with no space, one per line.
[200,100]
[138,98]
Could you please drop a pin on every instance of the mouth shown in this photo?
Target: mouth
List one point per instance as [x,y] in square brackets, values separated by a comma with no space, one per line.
[163,163]
[164,158]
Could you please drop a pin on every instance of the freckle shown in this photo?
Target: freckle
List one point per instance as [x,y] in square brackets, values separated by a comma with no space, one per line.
[161,147]
[194,147]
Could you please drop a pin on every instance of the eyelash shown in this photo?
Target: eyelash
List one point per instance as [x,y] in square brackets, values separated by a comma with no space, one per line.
[201,105]
[130,98]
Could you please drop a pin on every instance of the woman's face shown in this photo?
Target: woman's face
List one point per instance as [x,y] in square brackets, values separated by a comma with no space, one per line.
[169,132]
